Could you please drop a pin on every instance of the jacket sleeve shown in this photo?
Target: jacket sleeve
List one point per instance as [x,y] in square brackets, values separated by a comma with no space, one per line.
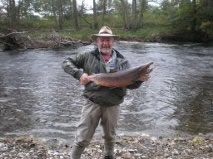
[74,65]
[135,85]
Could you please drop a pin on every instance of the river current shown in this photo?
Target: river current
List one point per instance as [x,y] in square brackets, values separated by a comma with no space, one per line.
[38,98]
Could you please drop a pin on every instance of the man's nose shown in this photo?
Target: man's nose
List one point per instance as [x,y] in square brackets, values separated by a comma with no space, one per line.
[105,43]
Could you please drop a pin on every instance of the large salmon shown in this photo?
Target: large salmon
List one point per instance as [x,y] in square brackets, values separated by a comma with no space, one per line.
[121,78]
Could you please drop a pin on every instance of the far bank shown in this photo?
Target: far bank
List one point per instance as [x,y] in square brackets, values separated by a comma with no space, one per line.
[51,38]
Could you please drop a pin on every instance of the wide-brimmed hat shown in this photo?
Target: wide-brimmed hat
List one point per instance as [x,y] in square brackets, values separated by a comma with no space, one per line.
[105,31]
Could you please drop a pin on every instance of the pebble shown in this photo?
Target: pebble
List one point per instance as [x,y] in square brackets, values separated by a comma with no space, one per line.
[127,155]
[139,147]
[3,147]
[175,152]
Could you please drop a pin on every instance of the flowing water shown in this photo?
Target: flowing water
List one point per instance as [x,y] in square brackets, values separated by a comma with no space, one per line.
[37,98]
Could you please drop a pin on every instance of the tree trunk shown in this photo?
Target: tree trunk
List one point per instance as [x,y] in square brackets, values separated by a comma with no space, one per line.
[143,6]
[19,12]
[53,7]
[75,14]
[104,11]
[12,13]
[124,15]
[95,24]
[61,15]
[194,21]
[134,15]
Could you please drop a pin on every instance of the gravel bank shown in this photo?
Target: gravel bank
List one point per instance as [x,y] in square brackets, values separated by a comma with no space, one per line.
[127,147]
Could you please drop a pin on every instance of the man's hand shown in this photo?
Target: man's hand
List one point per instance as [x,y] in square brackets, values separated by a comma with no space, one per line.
[84,79]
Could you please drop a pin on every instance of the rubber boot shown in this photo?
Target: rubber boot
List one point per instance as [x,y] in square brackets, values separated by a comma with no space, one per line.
[77,151]
[108,150]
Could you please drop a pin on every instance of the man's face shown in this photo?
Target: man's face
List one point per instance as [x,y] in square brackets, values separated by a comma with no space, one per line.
[105,44]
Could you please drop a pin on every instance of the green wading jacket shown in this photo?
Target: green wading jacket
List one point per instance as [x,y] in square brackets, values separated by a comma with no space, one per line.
[91,63]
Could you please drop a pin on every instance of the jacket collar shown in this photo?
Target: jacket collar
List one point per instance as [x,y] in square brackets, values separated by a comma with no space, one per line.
[96,53]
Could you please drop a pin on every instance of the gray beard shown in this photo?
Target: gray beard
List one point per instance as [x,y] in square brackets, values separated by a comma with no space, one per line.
[105,51]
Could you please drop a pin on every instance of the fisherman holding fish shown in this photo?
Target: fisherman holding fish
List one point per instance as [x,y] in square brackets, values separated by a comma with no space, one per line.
[106,75]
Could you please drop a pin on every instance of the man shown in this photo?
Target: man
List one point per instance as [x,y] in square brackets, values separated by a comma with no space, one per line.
[102,102]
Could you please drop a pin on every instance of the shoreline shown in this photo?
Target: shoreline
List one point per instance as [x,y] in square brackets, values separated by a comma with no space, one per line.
[126,147]
[57,40]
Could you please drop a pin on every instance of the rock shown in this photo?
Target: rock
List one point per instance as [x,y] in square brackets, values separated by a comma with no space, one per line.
[3,147]
[175,152]
[127,155]
[197,140]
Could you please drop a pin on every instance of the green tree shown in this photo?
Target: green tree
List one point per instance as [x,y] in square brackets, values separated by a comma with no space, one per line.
[180,13]
[123,10]
[205,15]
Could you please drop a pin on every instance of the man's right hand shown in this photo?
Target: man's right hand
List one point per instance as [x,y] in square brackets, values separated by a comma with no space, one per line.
[84,79]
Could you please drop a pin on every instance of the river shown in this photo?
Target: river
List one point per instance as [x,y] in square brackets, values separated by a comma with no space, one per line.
[38,98]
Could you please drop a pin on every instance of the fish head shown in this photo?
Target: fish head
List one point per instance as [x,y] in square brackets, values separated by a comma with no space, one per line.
[146,69]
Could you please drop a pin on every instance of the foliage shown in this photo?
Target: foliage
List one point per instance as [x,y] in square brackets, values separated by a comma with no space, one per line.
[155,17]
[142,34]
[193,16]
[207,27]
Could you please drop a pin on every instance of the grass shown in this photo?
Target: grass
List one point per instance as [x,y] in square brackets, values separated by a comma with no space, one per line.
[84,34]
[40,29]
[142,34]
[154,24]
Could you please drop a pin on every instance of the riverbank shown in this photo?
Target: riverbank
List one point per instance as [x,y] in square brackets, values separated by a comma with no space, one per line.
[32,39]
[152,34]
[127,147]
